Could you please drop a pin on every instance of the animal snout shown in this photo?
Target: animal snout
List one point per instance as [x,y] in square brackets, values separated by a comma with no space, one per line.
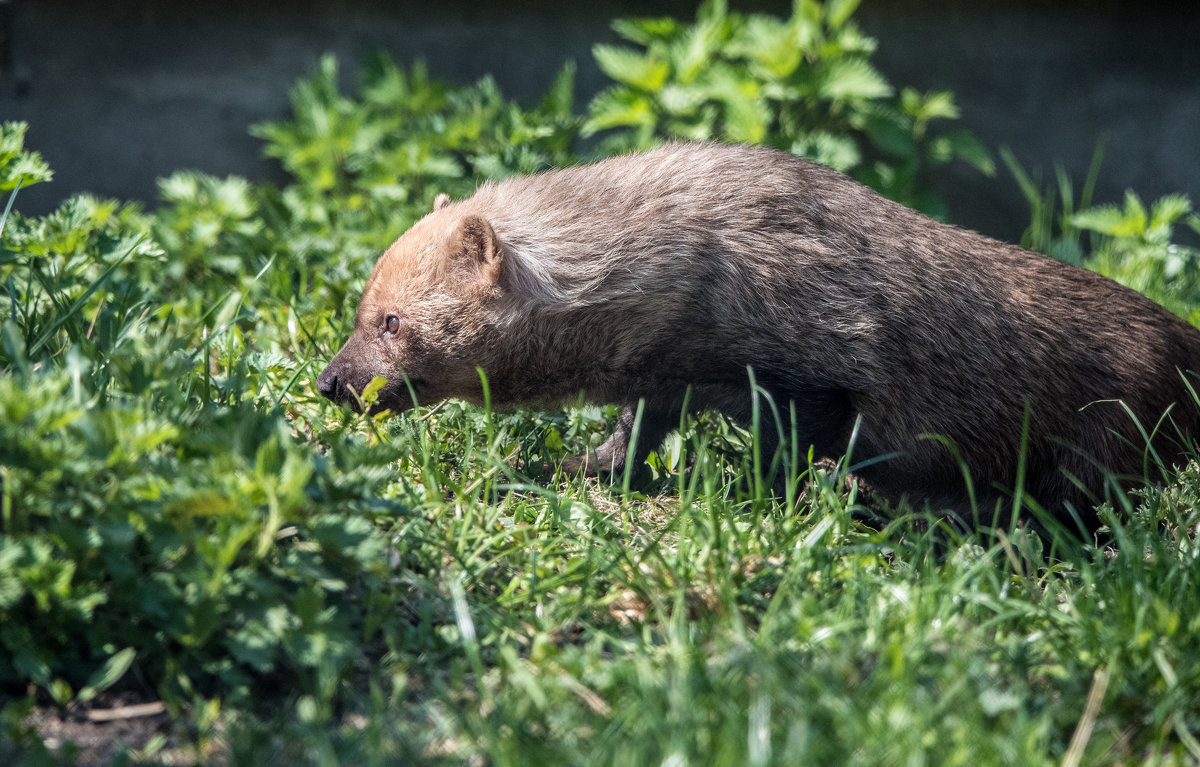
[328,382]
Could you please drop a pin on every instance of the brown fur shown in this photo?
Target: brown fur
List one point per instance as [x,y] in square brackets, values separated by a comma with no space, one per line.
[641,276]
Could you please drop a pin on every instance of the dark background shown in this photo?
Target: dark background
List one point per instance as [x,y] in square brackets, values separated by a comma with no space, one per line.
[121,92]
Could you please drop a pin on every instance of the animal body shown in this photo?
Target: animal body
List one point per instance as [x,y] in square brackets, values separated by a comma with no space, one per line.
[663,277]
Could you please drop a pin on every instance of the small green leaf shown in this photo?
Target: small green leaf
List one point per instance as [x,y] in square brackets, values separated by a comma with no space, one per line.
[61,691]
[108,674]
[930,106]
[964,146]
[370,392]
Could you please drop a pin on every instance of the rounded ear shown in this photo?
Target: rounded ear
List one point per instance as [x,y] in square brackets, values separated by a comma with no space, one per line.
[476,242]
[441,201]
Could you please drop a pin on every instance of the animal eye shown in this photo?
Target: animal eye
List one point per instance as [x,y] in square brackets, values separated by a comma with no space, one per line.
[393,324]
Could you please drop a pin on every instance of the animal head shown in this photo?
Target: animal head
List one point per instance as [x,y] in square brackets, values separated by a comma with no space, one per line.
[425,317]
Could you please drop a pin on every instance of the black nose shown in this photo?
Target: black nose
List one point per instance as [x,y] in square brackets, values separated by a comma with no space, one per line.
[327,383]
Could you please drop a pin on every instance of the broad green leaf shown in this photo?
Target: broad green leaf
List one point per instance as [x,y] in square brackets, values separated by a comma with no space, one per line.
[889,134]
[964,146]
[647,31]
[697,48]
[1166,210]
[768,43]
[370,392]
[1107,219]
[836,151]
[60,691]
[746,120]
[682,99]
[1066,249]
[617,108]
[805,26]
[640,70]
[848,79]
[560,99]
[1135,211]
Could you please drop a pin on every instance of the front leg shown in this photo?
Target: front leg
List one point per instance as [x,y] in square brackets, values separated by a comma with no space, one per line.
[612,456]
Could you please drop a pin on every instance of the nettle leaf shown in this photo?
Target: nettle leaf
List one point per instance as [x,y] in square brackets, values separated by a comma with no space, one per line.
[769,43]
[352,537]
[618,108]
[559,101]
[747,120]
[696,48]
[647,31]
[850,41]
[1135,210]
[848,79]
[806,25]
[1166,210]
[640,70]
[964,146]
[682,99]
[19,167]
[930,106]
[835,151]
[1109,220]
[1065,249]
[890,133]
[747,115]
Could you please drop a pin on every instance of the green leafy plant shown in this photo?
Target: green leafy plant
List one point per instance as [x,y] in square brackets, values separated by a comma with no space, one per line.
[19,167]
[1137,247]
[160,526]
[1130,243]
[407,138]
[803,84]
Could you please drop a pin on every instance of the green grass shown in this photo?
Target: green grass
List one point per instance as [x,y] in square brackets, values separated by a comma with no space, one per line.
[183,519]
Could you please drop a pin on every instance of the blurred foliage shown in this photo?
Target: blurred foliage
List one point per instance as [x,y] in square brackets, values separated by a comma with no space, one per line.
[19,167]
[406,138]
[802,84]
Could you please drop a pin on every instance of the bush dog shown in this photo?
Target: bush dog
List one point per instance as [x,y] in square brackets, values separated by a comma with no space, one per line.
[666,276]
